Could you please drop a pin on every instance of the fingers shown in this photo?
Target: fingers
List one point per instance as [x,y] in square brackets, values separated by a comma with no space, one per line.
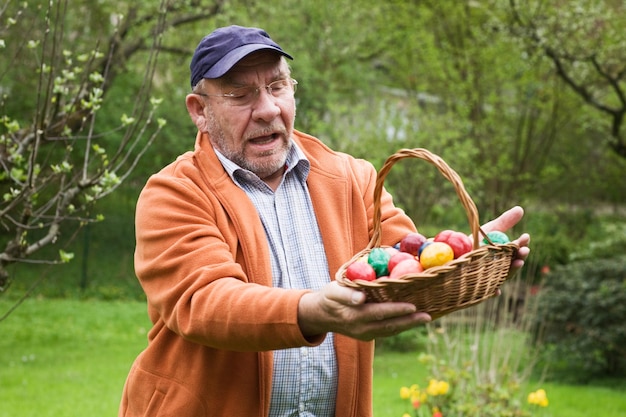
[505,221]
[343,310]
[523,240]
[386,311]
[367,321]
[381,323]
[522,253]
[344,295]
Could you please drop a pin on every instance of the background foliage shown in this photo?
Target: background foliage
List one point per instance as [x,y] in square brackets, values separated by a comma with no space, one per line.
[582,319]
[525,100]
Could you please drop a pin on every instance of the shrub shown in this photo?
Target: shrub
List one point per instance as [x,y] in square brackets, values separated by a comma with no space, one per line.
[558,232]
[412,340]
[460,393]
[479,362]
[606,239]
[583,315]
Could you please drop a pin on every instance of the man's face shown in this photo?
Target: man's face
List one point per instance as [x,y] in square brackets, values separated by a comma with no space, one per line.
[256,136]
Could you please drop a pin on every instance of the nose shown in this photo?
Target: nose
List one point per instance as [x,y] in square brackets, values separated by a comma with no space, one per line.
[265,106]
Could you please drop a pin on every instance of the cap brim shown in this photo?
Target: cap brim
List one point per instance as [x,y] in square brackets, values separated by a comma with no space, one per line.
[229,60]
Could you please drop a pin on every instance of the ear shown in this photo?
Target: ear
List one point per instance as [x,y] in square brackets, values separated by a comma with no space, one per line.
[195,108]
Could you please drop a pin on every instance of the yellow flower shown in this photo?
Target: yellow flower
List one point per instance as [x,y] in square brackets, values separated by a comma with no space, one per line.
[444,387]
[437,387]
[538,397]
[405,393]
[419,396]
[406,415]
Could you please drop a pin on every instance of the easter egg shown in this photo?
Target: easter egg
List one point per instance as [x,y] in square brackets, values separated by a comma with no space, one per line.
[392,251]
[428,242]
[378,258]
[496,237]
[411,243]
[459,242]
[397,258]
[360,270]
[436,254]
[406,267]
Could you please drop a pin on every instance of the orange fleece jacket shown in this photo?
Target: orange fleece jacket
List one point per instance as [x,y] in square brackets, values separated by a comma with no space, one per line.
[203,261]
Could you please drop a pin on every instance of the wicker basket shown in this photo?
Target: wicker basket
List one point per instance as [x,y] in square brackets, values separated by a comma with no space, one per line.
[462,282]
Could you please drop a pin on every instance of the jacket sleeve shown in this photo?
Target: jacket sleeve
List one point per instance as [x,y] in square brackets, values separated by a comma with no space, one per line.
[189,261]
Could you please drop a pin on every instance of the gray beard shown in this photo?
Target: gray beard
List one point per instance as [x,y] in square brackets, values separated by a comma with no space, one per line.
[261,169]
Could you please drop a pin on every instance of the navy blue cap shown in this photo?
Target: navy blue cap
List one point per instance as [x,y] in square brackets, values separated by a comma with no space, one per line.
[220,50]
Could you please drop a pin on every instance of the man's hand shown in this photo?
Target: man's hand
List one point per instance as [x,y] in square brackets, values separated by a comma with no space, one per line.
[343,310]
[504,222]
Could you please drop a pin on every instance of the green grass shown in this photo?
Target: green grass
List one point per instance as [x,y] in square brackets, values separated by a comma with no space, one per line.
[66,357]
[394,370]
[70,358]
[391,372]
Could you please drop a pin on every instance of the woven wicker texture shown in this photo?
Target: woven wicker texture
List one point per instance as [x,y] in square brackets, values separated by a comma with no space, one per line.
[461,283]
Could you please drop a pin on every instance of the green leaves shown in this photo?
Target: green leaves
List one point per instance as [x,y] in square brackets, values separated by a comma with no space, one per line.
[582,307]
[65,257]
[61,147]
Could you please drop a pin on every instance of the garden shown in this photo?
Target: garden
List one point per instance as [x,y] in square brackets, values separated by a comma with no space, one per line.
[524,100]
[548,346]
[70,357]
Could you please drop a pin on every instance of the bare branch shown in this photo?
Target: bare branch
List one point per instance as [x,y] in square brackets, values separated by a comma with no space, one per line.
[612,81]
[587,88]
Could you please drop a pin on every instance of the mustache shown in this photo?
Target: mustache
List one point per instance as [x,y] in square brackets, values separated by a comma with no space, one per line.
[266,131]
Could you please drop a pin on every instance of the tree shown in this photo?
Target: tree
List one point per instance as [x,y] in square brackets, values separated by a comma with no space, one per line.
[584,39]
[471,96]
[59,150]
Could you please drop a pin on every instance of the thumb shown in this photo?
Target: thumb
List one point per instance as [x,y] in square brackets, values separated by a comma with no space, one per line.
[344,295]
[505,221]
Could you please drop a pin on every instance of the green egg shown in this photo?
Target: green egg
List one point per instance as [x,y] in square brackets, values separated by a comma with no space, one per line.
[497,237]
[378,258]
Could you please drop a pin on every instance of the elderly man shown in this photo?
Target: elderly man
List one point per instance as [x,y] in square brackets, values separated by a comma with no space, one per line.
[237,246]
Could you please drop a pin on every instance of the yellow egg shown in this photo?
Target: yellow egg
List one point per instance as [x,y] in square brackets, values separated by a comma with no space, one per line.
[436,254]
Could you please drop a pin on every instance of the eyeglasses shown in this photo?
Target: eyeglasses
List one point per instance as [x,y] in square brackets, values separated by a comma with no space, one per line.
[243,96]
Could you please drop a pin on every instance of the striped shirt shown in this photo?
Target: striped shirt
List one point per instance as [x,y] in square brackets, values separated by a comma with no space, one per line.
[304,379]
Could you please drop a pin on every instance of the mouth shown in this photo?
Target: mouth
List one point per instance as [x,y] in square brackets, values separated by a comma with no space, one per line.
[265,144]
[262,140]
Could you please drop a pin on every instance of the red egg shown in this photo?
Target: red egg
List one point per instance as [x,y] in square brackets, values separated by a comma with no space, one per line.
[406,267]
[360,270]
[412,242]
[397,258]
[459,242]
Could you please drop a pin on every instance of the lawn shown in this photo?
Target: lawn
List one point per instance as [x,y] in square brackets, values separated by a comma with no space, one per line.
[70,358]
[67,357]
[394,370]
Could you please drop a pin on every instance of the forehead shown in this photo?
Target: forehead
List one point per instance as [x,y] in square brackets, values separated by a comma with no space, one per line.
[261,63]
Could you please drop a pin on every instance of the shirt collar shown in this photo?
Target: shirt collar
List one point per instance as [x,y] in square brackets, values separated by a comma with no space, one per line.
[296,162]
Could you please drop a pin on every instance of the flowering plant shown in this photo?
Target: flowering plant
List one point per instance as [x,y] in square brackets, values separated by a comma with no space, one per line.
[538,398]
[430,400]
[458,394]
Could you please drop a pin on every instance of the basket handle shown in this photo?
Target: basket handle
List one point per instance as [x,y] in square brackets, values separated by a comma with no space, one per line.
[446,171]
